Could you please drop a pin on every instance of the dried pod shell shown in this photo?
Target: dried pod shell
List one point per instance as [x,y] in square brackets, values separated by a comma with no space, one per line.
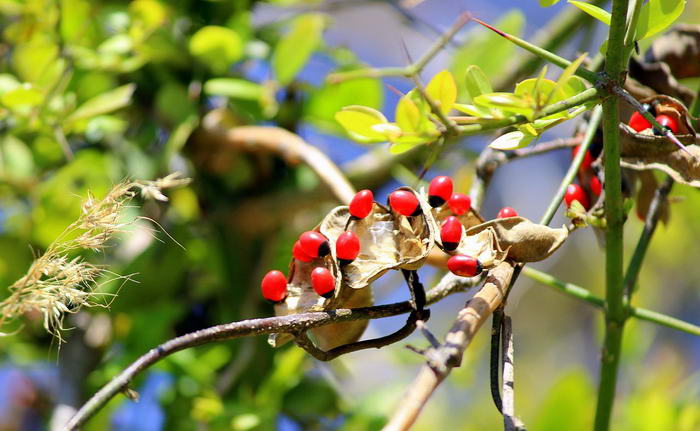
[484,246]
[523,240]
[387,241]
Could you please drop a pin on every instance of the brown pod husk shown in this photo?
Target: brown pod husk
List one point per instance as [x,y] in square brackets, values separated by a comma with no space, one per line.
[387,241]
[680,49]
[523,240]
[645,195]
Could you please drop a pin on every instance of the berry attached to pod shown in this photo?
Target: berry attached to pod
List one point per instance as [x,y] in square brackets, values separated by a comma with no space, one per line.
[405,203]
[439,191]
[459,203]
[464,266]
[323,282]
[314,244]
[667,121]
[300,254]
[595,185]
[638,123]
[274,286]
[574,192]
[506,212]
[451,233]
[347,248]
[361,204]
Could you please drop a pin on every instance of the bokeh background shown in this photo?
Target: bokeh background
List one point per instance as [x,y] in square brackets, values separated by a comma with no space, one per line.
[245,208]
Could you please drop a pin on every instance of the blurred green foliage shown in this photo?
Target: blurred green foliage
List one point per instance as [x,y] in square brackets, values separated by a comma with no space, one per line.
[92,92]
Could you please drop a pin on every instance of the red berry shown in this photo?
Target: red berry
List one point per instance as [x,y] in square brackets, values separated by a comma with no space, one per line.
[574,192]
[668,121]
[439,191]
[451,233]
[347,247]
[405,203]
[587,159]
[464,266]
[299,253]
[323,282]
[638,123]
[506,212]
[361,204]
[460,203]
[314,244]
[274,286]
[595,185]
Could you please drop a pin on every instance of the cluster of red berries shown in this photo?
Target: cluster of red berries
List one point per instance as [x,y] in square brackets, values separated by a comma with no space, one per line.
[313,245]
[638,123]
[586,175]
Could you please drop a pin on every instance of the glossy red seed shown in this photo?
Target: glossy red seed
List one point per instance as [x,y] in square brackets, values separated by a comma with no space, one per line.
[439,191]
[587,159]
[459,203]
[464,266]
[361,204]
[274,286]
[314,244]
[595,185]
[574,192]
[638,123]
[405,203]
[506,212]
[323,282]
[669,122]
[299,253]
[451,233]
[347,247]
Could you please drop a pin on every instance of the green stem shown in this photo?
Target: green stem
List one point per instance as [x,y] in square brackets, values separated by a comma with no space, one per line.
[584,73]
[589,95]
[635,7]
[591,299]
[615,313]
[573,169]
[650,223]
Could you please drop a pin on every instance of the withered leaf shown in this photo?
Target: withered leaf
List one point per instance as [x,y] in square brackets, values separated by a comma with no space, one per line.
[523,240]
[680,49]
[681,166]
[645,195]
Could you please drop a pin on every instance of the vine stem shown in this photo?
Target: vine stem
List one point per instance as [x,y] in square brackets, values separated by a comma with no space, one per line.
[615,61]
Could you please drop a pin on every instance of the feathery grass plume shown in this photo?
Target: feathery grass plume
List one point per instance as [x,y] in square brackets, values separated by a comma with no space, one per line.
[58,282]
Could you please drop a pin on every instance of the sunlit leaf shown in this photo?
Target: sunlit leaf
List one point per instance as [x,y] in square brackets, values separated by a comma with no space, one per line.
[234,88]
[24,95]
[477,82]
[536,90]
[506,101]
[104,103]
[443,90]
[657,15]
[476,111]
[294,49]
[547,3]
[408,116]
[358,122]
[593,10]
[563,81]
[398,148]
[324,102]
[512,141]
[217,47]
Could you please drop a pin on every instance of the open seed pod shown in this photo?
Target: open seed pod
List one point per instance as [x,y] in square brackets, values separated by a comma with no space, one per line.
[641,151]
[470,219]
[387,241]
[521,239]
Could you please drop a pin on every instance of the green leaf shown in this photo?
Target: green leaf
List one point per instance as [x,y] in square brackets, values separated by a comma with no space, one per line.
[535,91]
[358,122]
[408,116]
[547,3]
[657,15]
[476,111]
[22,96]
[398,148]
[324,102]
[217,47]
[506,101]
[443,90]
[234,88]
[477,82]
[104,103]
[486,49]
[593,10]
[558,93]
[294,50]
[512,141]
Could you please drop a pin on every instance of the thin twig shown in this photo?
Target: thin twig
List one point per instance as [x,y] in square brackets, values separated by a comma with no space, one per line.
[495,356]
[510,421]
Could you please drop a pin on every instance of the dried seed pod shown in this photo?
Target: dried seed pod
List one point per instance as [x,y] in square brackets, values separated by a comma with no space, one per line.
[387,240]
[523,240]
